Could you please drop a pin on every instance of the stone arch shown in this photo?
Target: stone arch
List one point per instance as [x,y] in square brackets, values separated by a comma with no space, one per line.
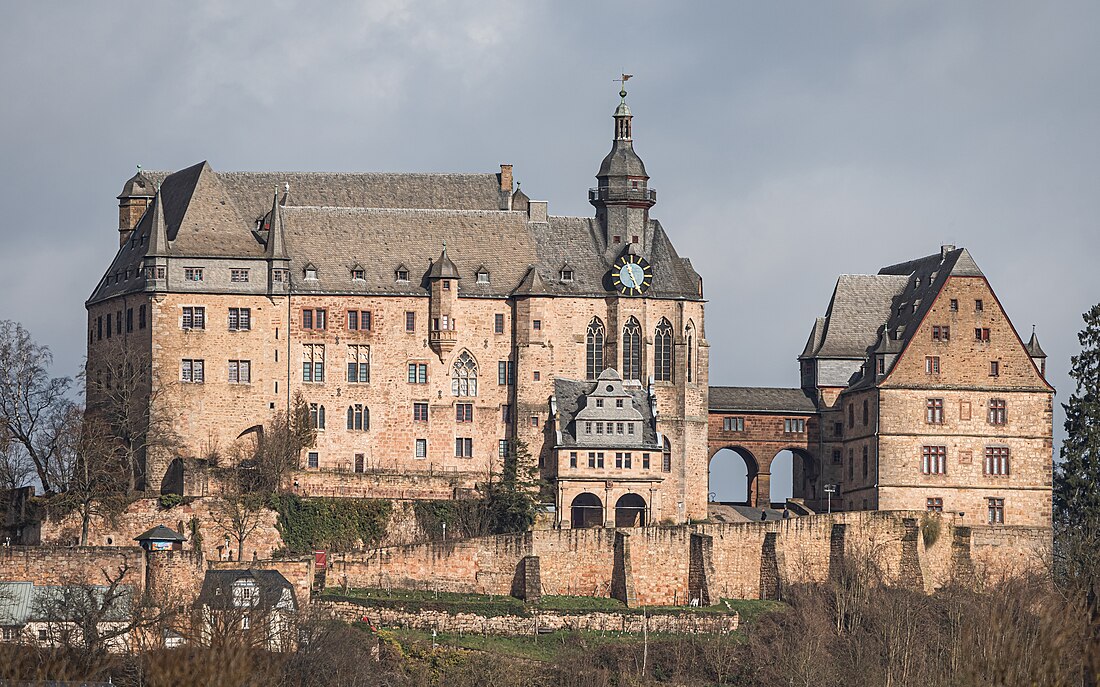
[752,473]
[173,478]
[586,511]
[630,511]
[805,477]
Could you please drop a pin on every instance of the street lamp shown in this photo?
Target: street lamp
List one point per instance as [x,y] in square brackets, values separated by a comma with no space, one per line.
[830,489]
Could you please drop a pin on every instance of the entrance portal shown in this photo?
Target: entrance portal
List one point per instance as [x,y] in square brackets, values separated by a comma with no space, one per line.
[586,511]
[630,511]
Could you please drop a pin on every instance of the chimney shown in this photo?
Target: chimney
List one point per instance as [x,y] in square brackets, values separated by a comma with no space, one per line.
[506,178]
[945,249]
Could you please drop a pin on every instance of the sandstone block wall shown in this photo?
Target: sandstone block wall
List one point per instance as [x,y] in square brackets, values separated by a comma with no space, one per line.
[75,565]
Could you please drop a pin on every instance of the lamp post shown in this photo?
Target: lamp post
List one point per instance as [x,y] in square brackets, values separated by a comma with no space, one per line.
[830,489]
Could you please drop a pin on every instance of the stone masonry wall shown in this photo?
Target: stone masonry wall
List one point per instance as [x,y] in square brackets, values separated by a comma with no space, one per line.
[75,565]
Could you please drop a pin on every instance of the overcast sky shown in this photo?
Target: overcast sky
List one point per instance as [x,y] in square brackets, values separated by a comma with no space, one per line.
[789,142]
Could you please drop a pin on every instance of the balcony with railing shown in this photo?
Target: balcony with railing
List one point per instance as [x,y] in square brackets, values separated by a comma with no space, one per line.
[604,193]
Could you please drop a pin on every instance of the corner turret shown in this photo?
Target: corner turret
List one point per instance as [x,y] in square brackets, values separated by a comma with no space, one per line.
[137,194]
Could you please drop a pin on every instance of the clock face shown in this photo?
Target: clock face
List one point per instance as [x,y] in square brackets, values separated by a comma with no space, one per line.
[632,275]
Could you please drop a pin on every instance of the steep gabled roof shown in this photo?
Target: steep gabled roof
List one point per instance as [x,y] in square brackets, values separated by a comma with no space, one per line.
[751,399]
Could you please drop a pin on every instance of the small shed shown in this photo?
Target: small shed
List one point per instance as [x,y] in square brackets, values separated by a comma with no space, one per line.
[160,538]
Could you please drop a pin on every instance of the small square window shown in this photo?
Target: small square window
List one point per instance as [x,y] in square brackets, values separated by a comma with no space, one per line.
[567,275]
[311,273]
[978,305]
[994,368]
[410,321]
[498,323]
[954,305]
[401,274]
[358,274]
[421,448]
[314,459]
[482,277]
[238,276]
[534,420]
[536,325]
[536,375]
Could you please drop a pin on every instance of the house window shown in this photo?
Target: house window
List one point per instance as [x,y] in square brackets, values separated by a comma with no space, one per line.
[572,459]
[464,447]
[482,277]
[978,305]
[401,274]
[420,412]
[313,363]
[43,635]
[934,460]
[502,449]
[662,352]
[192,273]
[194,317]
[192,370]
[464,412]
[981,334]
[954,305]
[506,413]
[851,415]
[645,461]
[311,273]
[506,372]
[996,460]
[360,462]
[313,459]
[358,417]
[418,373]
[632,350]
[567,275]
[996,511]
[933,413]
[866,414]
[618,461]
[536,325]
[593,346]
[941,333]
[238,276]
[591,459]
[129,319]
[279,276]
[316,416]
[240,319]
[838,429]
[838,459]
[794,426]
[446,284]
[118,323]
[932,365]
[998,412]
[498,323]
[851,464]
[99,328]
[358,274]
[994,368]
[358,364]
[934,505]
[881,365]
[535,375]
[464,375]
[240,372]
[410,321]
[359,320]
[109,327]
[666,456]
[733,424]
[421,450]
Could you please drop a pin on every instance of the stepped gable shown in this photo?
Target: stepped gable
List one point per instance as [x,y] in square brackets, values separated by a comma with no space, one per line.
[751,399]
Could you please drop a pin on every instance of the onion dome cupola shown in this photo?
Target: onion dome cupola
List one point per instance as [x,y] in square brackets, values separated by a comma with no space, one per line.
[442,278]
[622,196]
[137,194]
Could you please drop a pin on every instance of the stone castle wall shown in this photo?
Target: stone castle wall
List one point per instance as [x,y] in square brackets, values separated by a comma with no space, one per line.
[73,565]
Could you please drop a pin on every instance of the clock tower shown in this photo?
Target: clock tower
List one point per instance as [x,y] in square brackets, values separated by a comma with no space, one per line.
[622,197]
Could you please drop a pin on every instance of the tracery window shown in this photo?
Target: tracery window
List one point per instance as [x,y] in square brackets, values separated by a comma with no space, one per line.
[662,352]
[632,350]
[594,349]
[464,375]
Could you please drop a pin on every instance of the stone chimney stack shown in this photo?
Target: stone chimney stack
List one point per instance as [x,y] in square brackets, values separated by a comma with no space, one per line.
[506,187]
[137,194]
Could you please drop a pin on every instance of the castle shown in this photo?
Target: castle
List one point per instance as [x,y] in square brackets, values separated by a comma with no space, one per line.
[388,301]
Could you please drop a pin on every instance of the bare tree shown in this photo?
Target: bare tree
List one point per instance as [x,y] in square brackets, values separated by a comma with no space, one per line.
[277,448]
[16,468]
[31,401]
[240,515]
[124,393]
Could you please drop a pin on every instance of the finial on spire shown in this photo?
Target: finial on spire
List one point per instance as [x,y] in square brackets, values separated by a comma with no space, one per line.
[622,84]
[444,246]
[139,169]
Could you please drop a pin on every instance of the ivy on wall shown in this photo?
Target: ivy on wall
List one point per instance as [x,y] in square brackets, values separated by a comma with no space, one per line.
[335,525]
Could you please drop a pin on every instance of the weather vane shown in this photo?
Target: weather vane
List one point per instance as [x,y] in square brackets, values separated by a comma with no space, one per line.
[622,83]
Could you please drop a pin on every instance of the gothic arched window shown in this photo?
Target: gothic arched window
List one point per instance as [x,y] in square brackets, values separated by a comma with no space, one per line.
[593,345]
[662,352]
[464,375]
[358,417]
[690,337]
[632,350]
[666,455]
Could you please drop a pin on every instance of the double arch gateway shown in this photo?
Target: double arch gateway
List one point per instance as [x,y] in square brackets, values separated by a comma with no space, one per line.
[587,510]
[805,473]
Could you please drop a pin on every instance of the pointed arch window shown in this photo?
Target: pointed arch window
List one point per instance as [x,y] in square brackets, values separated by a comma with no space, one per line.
[690,340]
[593,346]
[358,417]
[662,351]
[632,350]
[464,375]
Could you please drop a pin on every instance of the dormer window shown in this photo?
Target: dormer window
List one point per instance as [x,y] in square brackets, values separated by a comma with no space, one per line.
[358,273]
[401,274]
[311,272]
[567,275]
[482,276]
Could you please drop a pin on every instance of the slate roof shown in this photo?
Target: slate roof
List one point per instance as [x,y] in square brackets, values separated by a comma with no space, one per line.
[622,161]
[378,221]
[160,533]
[570,396]
[24,602]
[750,399]
[1033,347]
[273,588]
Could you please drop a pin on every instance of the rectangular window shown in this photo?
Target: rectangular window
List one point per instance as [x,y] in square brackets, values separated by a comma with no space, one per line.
[358,417]
[627,461]
[141,317]
[794,426]
[240,319]
[129,319]
[464,447]
[506,372]
[941,333]
[421,448]
[118,322]
[192,273]
[934,460]
[314,459]
[619,428]
[954,305]
[359,320]
[307,319]
[666,461]
[837,458]
[353,319]
[618,461]
[319,319]
[316,416]
[645,461]
[536,325]
[358,364]
[978,305]
[192,370]
[360,462]
[733,424]
[410,321]
[238,276]
[535,375]
[418,373]
[998,411]
[932,365]
[313,363]
[572,459]
[838,429]
[502,448]
[996,511]
[420,412]
[464,412]
[534,420]
[591,459]
[599,428]
[630,428]
[934,505]
[240,372]
[194,317]
[498,323]
[851,464]
[506,413]
[981,334]
[996,460]
[599,459]
[994,368]
[934,411]
[99,328]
